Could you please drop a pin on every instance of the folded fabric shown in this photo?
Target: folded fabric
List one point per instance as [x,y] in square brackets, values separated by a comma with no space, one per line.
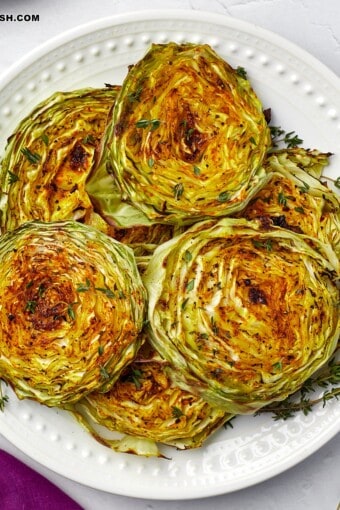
[23,488]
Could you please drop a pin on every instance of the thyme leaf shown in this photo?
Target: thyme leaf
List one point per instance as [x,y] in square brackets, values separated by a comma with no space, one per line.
[240,71]
[279,135]
[223,196]
[32,157]
[178,190]
[89,140]
[105,290]
[12,177]
[135,376]
[83,287]
[177,412]
[31,306]
[148,123]
[327,379]
[268,244]
[70,311]
[282,199]
[135,96]
[44,138]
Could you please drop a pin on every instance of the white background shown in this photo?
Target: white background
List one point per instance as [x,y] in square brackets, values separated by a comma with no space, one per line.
[315,26]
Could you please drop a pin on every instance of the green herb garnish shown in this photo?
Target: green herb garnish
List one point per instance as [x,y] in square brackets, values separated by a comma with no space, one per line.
[177,412]
[267,244]
[89,140]
[106,291]
[83,287]
[146,123]
[178,190]
[44,139]
[12,177]
[223,197]
[32,157]
[31,306]
[240,71]
[279,135]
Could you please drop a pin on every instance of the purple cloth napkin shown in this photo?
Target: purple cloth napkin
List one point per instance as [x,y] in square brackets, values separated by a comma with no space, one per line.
[21,488]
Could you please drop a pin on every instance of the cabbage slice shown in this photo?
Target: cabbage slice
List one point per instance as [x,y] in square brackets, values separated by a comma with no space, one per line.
[146,404]
[72,306]
[186,140]
[244,315]
[48,158]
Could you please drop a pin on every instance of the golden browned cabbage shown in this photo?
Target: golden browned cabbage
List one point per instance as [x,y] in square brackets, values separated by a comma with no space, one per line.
[244,315]
[186,140]
[49,156]
[72,307]
[296,199]
[144,403]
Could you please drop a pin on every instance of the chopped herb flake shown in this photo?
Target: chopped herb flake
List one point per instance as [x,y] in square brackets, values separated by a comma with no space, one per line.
[44,138]
[106,291]
[277,366]
[89,140]
[12,177]
[70,311]
[83,287]
[268,244]
[32,157]
[177,412]
[184,304]
[41,289]
[178,190]
[135,96]
[31,306]
[240,71]
[135,376]
[282,199]
[148,123]
[304,188]
[190,285]
[223,197]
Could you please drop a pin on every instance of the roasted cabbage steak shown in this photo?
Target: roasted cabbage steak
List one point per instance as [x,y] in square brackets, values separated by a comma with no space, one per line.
[72,307]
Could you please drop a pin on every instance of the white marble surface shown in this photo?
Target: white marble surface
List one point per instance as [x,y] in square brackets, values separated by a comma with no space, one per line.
[315,26]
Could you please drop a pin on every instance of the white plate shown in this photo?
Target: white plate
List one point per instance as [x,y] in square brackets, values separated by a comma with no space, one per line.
[304,97]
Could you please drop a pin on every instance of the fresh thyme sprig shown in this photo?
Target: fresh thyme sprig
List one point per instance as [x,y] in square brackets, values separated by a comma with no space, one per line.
[279,135]
[287,408]
[300,401]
